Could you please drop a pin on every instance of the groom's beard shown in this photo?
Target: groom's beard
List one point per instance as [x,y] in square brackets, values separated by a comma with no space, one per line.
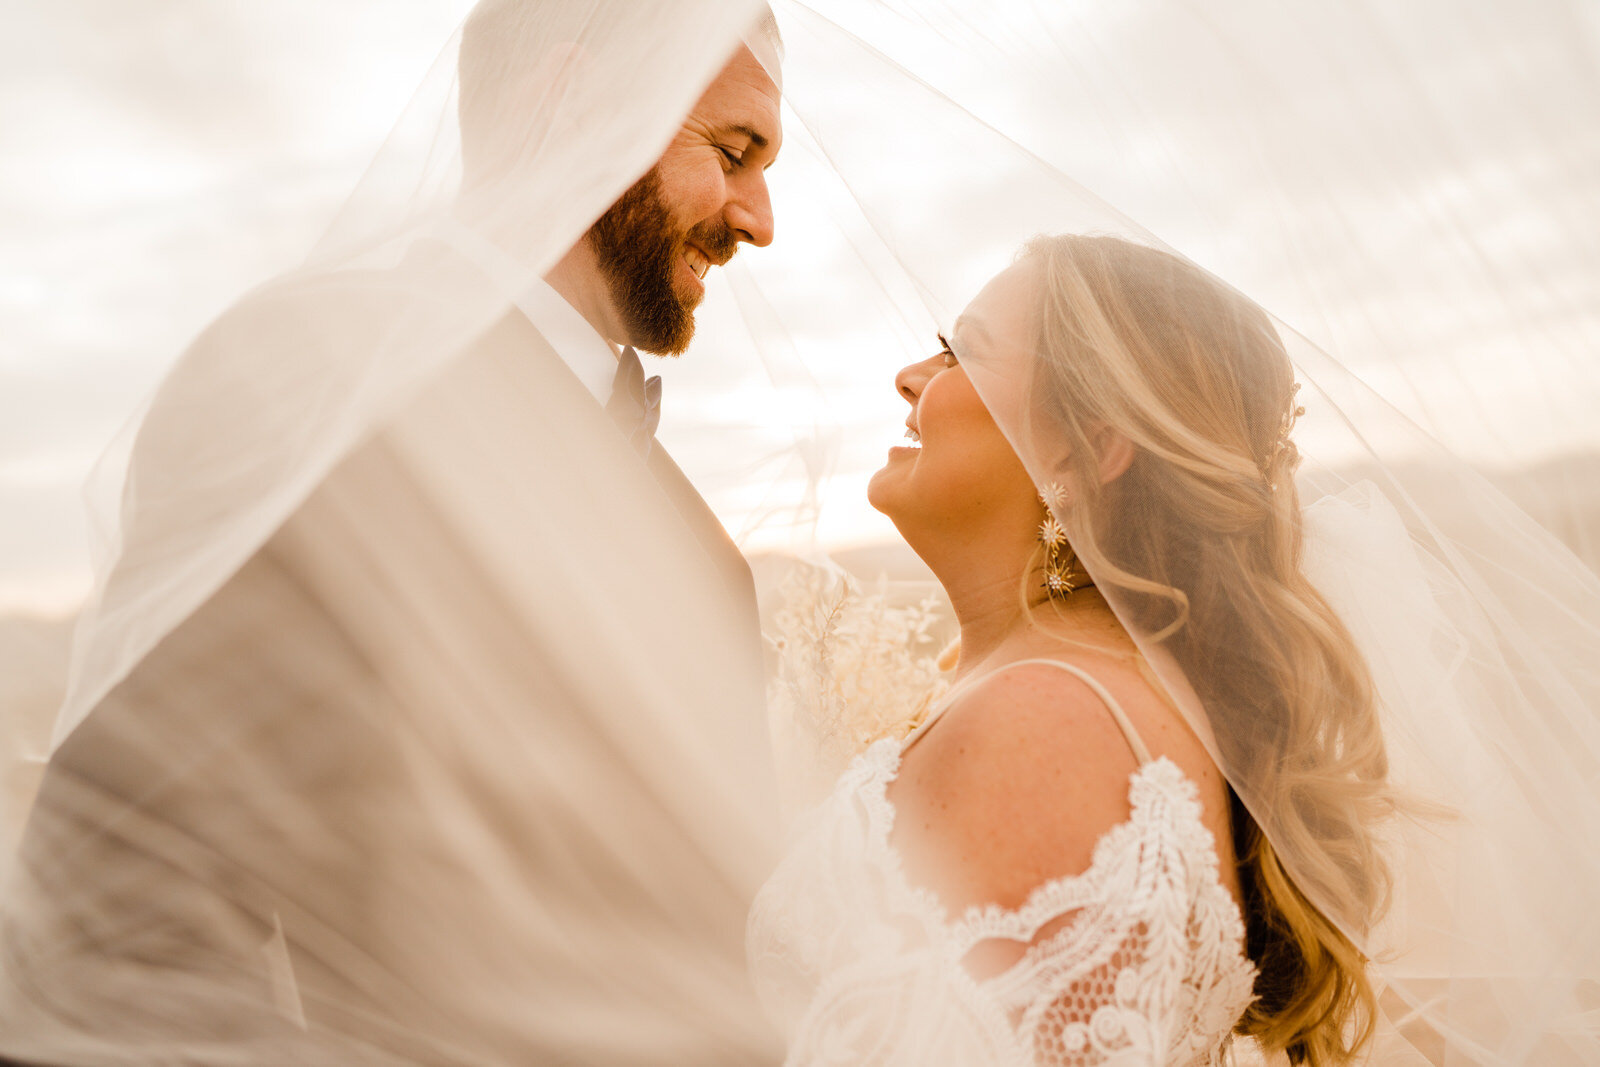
[639,247]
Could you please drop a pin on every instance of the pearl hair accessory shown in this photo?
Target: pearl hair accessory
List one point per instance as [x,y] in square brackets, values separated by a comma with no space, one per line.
[1283,446]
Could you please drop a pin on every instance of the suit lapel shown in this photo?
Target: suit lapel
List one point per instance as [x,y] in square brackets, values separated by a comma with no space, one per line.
[707,528]
[690,506]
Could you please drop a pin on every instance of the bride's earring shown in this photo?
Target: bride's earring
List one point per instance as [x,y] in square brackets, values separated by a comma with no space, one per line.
[1062,575]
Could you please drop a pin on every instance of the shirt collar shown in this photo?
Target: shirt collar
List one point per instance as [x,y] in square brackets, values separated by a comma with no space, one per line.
[589,356]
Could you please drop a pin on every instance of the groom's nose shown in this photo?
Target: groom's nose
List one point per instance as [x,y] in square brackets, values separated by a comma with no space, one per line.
[749,212]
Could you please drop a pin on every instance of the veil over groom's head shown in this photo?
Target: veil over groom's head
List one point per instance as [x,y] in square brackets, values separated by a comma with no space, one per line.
[639,272]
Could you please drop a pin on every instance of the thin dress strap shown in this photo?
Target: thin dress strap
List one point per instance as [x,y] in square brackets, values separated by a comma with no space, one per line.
[1135,742]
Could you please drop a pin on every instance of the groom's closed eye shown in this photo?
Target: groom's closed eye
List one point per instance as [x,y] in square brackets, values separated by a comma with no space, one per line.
[753,140]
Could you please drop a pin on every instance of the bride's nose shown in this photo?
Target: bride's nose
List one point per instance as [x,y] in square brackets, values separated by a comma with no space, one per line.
[911,379]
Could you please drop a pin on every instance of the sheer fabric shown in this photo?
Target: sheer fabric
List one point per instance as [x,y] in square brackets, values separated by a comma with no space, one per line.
[1474,622]
[373,748]
[379,800]
[363,481]
[1137,960]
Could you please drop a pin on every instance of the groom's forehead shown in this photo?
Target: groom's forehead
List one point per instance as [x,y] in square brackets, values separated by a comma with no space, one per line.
[742,98]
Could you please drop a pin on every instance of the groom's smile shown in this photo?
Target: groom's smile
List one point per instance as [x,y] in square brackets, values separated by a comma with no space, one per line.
[697,261]
[706,195]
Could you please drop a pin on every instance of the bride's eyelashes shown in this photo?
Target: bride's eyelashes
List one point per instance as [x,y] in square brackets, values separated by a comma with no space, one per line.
[945,351]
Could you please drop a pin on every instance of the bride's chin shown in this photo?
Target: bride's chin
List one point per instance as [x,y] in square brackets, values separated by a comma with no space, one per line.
[887,483]
[880,491]
[889,495]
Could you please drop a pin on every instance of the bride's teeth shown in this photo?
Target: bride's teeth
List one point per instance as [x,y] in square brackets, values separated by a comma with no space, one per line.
[915,437]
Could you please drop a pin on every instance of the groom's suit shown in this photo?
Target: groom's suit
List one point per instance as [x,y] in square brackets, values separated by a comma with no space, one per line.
[455,769]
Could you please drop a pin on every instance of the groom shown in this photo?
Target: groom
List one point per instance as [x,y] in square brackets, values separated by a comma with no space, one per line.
[437,775]
[635,279]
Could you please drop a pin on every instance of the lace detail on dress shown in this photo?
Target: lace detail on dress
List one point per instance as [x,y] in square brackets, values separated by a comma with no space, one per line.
[1146,967]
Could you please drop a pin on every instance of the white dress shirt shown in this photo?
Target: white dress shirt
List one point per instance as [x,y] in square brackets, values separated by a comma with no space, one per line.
[589,356]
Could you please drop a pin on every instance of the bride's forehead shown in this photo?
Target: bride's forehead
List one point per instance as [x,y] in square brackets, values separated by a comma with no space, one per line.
[1004,314]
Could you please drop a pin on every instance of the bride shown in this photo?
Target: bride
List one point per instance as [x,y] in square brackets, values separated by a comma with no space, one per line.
[1050,867]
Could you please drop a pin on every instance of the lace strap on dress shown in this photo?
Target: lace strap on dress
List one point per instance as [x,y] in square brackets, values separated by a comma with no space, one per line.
[1125,724]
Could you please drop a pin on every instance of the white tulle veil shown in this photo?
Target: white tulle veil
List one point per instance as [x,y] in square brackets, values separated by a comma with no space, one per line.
[1406,193]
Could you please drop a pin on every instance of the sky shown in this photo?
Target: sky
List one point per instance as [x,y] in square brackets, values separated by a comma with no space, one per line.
[160,158]
[1420,216]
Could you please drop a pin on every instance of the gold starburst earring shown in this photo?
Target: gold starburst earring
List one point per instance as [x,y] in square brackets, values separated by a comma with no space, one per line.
[1062,575]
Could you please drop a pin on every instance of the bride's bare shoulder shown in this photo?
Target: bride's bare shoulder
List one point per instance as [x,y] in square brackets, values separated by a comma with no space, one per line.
[1021,777]
[1011,788]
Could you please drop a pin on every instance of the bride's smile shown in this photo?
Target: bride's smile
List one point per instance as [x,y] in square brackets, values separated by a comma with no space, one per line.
[957,471]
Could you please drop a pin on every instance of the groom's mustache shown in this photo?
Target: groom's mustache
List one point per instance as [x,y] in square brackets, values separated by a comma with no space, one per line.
[716,239]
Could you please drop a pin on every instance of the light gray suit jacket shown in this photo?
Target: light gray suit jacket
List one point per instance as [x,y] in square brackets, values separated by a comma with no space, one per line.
[404,791]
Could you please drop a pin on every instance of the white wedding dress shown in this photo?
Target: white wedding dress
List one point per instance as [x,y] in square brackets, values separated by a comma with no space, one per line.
[1145,966]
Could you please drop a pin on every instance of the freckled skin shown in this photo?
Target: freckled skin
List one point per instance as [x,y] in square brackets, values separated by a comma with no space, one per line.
[1022,775]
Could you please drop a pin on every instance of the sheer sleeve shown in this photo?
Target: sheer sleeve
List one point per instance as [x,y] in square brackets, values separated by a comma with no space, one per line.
[1138,960]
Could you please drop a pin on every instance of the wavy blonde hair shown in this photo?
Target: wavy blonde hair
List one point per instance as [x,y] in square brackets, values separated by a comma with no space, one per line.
[1198,543]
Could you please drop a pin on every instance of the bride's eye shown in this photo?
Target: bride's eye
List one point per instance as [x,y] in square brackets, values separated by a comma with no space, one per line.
[949,356]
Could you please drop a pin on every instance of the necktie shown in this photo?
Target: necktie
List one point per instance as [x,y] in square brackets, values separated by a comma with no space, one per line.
[635,403]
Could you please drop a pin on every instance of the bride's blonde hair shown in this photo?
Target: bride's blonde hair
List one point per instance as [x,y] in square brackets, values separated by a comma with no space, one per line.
[1198,543]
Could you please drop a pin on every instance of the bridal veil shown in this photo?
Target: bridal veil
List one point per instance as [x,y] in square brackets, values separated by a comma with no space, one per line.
[1407,192]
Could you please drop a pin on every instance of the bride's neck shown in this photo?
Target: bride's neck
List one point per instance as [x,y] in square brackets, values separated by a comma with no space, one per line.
[982,638]
[985,572]
[996,612]
[987,597]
